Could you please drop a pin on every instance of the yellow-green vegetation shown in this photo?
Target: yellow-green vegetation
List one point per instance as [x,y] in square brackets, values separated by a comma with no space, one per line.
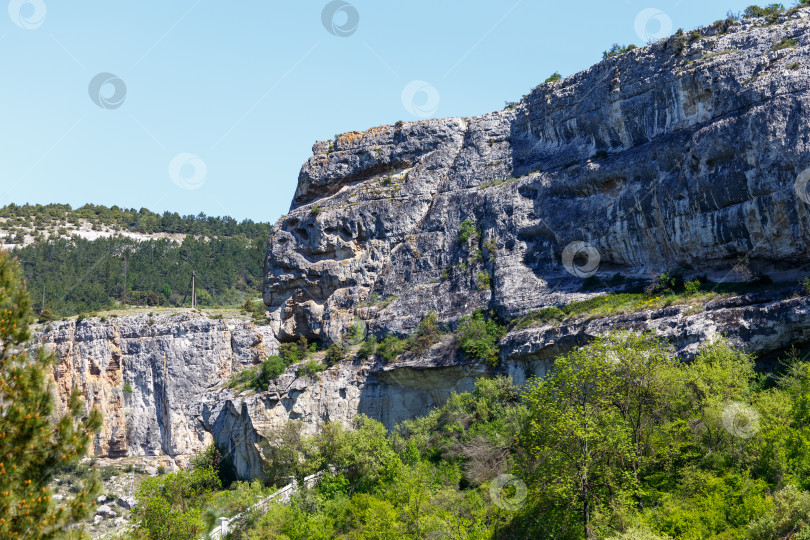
[621,440]
[35,443]
[477,336]
[666,290]
[467,231]
[784,43]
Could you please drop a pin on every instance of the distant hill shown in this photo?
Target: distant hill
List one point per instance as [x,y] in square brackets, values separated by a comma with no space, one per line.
[94,257]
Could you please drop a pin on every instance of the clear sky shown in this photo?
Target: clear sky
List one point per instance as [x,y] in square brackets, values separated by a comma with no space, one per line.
[212,106]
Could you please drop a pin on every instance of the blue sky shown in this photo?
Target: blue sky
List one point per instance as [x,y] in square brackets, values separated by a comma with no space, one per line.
[231,96]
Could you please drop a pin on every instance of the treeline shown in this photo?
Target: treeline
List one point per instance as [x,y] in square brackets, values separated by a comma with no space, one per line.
[39,217]
[80,276]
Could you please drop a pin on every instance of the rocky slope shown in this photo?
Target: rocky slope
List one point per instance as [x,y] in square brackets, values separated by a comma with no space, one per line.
[690,153]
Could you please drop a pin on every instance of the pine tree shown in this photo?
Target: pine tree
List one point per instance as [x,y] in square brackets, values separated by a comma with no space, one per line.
[36,440]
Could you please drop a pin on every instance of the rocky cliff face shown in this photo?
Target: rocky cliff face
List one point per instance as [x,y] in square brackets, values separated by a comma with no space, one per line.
[682,154]
[691,153]
[146,374]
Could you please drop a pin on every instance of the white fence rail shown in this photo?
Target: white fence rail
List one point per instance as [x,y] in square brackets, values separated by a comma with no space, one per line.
[284,496]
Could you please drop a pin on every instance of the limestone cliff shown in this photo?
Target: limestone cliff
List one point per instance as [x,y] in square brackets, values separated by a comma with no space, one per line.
[684,153]
[690,153]
[145,374]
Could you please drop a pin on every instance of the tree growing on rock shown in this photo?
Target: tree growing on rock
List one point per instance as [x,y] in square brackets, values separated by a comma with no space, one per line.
[36,440]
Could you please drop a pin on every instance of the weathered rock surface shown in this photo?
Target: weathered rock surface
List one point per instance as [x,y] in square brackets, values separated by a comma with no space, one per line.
[145,372]
[683,154]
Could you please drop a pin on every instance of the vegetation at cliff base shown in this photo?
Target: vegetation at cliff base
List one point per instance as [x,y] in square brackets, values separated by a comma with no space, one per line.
[620,440]
[38,438]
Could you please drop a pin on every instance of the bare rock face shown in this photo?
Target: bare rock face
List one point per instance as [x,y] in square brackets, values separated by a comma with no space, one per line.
[682,154]
[146,373]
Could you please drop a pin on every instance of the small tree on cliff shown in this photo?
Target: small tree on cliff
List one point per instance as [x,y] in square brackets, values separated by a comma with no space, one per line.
[35,440]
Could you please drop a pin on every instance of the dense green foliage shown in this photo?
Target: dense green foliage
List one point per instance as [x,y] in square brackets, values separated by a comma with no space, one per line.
[620,440]
[80,275]
[35,442]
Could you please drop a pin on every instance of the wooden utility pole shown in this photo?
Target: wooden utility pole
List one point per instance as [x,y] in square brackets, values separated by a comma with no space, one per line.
[124,287]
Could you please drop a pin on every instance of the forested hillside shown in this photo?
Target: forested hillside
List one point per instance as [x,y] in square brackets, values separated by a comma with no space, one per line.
[77,274]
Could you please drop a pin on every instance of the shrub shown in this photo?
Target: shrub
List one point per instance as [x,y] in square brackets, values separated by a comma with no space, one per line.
[806,285]
[554,77]
[483,279]
[390,347]
[356,333]
[784,43]
[617,50]
[316,209]
[467,230]
[793,66]
[127,388]
[46,316]
[692,287]
[668,282]
[335,354]
[367,348]
[259,377]
[171,506]
[478,337]
[268,371]
[427,333]
[771,11]
[294,352]
[311,368]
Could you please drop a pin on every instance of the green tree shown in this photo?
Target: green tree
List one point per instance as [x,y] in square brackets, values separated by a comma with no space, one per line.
[171,507]
[575,439]
[35,440]
[478,337]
